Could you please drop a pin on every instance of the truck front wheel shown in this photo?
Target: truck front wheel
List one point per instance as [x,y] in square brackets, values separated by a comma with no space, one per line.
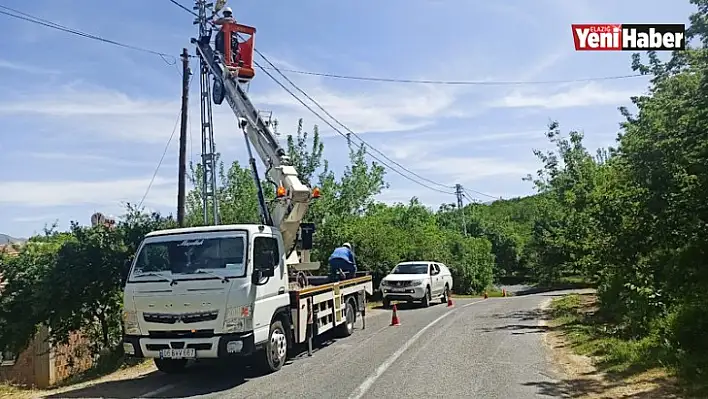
[170,366]
[274,353]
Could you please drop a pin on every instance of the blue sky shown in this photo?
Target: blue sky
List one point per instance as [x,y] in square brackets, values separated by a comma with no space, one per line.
[85,123]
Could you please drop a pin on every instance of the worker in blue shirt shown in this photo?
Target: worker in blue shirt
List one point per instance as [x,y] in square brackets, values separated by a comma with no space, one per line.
[342,259]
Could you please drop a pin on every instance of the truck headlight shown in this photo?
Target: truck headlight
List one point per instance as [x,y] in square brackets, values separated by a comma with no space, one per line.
[238,319]
[130,323]
[417,282]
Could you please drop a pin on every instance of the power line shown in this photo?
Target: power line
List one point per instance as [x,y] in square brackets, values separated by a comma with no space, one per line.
[455,82]
[183,7]
[478,192]
[336,120]
[347,128]
[31,18]
[162,158]
[342,134]
[49,24]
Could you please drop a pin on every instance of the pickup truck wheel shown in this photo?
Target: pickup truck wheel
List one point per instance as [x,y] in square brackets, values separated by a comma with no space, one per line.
[347,328]
[171,366]
[386,303]
[274,354]
[426,298]
[446,294]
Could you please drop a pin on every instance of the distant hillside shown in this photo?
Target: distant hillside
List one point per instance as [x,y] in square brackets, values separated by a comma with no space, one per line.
[6,239]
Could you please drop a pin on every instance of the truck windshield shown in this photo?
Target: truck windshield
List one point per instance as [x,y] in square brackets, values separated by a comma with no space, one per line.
[223,255]
[411,268]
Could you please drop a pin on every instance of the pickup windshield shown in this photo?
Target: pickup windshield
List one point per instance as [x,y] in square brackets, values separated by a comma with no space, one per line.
[411,268]
[223,255]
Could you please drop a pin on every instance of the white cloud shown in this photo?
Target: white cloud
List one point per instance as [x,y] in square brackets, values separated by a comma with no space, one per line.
[15,66]
[575,96]
[102,114]
[469,169]
[437,142]
[392,110]
[87,158]
[100,193]
[38,218]
[78,100]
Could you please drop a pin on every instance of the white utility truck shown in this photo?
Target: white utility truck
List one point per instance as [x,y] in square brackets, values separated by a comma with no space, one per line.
[237,290]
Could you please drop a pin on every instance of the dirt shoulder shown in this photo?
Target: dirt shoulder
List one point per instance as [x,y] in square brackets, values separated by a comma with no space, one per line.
[128,373]
[567,341]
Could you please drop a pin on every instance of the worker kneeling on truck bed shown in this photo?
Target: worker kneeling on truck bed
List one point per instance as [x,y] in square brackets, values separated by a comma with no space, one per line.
[342,259]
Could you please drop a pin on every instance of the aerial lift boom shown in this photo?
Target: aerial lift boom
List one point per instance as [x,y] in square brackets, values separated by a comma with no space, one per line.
[292,196]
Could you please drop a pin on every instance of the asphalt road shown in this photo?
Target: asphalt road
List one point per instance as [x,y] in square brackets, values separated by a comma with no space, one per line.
[477,349]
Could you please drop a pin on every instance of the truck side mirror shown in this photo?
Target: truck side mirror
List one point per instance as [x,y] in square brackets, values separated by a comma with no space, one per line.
[264,265]
[306,232]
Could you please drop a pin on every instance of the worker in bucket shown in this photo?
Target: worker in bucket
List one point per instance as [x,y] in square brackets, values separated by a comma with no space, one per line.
[342,259]
[227,18]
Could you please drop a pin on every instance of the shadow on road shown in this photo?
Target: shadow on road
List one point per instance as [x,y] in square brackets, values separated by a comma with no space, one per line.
[648,388]
[560,287]
[405,306]
[203,378]
[198,379]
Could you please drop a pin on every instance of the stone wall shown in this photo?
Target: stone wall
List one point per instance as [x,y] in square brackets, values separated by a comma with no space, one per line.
[72,358]
[31,367]
[40,367]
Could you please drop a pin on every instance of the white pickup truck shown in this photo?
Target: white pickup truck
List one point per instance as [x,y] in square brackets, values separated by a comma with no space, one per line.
[417,281]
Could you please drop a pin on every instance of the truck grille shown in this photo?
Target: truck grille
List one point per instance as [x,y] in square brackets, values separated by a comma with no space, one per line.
[172,318]
[399,283]
[177,334]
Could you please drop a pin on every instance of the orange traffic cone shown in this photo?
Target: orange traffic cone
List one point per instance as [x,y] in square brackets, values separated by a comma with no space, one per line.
[485,295]
[394,317]
[449,302]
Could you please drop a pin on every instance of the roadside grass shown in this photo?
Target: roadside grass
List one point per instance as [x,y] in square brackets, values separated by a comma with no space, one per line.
[566,283]
[108,364]
[11,391]
[618,359]
[575,314]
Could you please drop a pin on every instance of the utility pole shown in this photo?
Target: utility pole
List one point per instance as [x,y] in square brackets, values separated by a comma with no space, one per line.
[208,145]
[181,190]
[459,193]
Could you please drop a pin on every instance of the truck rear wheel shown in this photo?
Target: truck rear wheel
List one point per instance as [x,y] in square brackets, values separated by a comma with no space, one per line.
[347,328]
[171,366]
[274,353]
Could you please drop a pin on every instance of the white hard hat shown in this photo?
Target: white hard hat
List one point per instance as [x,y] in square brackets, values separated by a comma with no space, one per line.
[227,9]
[348,245]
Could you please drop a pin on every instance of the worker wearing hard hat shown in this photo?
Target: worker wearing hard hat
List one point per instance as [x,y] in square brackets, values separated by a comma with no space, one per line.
[226,18]
[342,259]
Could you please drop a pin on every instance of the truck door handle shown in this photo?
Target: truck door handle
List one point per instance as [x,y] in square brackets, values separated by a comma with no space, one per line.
[281,290]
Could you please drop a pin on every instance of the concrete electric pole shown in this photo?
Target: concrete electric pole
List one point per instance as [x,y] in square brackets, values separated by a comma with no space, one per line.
[459,193]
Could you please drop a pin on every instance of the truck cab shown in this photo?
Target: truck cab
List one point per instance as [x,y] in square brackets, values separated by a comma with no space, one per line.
[207,292]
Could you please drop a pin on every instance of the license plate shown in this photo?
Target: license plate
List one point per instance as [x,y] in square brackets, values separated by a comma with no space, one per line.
[178,353]
[397,290]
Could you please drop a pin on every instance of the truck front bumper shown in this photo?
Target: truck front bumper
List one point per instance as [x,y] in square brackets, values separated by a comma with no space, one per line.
[215,346]
[403,294]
